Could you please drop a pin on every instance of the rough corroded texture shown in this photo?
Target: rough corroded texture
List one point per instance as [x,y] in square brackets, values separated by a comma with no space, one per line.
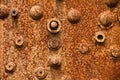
[96,64]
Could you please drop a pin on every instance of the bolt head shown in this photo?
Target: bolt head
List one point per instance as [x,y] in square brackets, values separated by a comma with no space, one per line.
[100,37]
[106,19]
[54,43]
[19,41]
[84,48]
[10,67]
[14,13]
[115,53]
[54,61]
[36,12]
[73,16]
[54,25]
[40,73]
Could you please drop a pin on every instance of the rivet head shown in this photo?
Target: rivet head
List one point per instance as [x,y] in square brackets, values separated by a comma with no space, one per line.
[54,25]
[19,41]
[106,19]
[4,11]
[111,3]
[36,12]
[14,13]
[10,67]
[115,52]
[54,43]
[73,16]
[84,48]
[100,37]
[40,73]
[54,61]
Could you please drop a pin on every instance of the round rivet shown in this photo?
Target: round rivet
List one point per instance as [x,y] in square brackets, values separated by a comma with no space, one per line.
[84,48]
[115,53]
[73,16]
[41,73]
[106,19]
[54,25]
[19,41]
[54,43]
[111,3]
[10,67]
[54,61]
[100,37]
[14,13]
[4,11]
[36,12]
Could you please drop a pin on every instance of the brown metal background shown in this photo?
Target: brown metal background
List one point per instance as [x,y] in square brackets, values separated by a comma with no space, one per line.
[94,65]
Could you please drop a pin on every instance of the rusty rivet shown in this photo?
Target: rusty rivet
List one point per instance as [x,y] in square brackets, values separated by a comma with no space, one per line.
[106,19]
[54,25]
[36,12]
[73,16]
[111,3]
[41,73]
[14,13]
[10,67]
[4,11]
[54,43]
[54,61]
[19,41]
[84,48]
[100,37]
[115,53]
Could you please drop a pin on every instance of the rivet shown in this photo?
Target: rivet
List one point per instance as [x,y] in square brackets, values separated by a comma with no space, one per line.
[19,41]
[54,61]
[54,25]
[115,53]
[111,3]
[14,13]
[100,37]
[106,19]
[4,11]
[10,67]
[40,73]
[84,48]
[54,43]
[36,12]
[73,16]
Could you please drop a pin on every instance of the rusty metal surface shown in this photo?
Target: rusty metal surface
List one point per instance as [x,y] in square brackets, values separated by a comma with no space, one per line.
[59,39]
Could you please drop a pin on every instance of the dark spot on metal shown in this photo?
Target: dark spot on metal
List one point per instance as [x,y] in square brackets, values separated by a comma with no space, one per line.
[36,12]
[111,3]
[73,16]
[54,25]
[4,11]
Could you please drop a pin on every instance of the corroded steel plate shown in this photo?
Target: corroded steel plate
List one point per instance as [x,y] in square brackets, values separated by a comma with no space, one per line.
[59,40]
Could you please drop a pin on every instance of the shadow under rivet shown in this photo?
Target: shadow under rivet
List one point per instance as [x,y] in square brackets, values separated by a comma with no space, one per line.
[4,11]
